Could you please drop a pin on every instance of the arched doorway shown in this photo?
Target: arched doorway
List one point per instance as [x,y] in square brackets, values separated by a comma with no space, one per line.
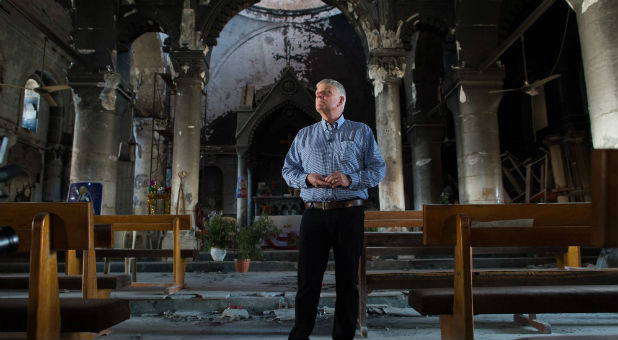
[271,142]
[211,189]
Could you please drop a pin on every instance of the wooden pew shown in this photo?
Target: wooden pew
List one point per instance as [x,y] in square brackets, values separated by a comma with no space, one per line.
[553,225]
[390,242]
[175,223]
[43,315]
[72,280]
[19,216]
[411,243]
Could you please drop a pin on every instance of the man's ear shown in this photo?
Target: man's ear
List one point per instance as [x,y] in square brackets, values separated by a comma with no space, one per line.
[341,100]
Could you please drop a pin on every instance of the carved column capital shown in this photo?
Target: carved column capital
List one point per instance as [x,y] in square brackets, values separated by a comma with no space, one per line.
[386,69]
[189,64]
[90,86]
[242,150]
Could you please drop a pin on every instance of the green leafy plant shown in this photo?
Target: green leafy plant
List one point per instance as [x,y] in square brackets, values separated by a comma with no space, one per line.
[219,232]
[249,238]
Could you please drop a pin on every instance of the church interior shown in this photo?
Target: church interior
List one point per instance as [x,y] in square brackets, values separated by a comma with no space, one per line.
[188,107]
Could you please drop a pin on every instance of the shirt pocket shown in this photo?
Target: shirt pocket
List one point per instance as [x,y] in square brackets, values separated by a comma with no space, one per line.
[347,156]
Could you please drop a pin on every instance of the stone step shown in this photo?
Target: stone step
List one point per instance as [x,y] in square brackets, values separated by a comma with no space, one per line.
[150,265]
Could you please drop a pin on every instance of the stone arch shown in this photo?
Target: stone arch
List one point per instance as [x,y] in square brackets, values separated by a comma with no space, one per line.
[218,13]
[317,47]
[144,20]
[287,91]
[270,140]
[264,131]
[31,105]
[276,109]
[45,78]
[419,23]
[255,33]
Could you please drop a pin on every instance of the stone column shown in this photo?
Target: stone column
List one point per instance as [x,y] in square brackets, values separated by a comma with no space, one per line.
[241,196]
[598,35]
[142,132]
[426,141]
[250,214]
[189,68]
[386,73]
[95,140]
[54,157]
[476,134]
[95,137]
[53,174]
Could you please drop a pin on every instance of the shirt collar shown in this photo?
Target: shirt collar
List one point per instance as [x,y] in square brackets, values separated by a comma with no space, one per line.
[338,123]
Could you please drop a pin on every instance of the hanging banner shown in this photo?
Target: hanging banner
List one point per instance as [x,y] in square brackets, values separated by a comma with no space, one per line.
[241,187]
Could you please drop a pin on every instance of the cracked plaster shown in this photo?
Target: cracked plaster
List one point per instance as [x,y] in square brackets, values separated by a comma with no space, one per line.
[108,95]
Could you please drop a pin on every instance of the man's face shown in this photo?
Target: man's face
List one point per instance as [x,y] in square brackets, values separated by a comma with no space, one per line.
[328,102]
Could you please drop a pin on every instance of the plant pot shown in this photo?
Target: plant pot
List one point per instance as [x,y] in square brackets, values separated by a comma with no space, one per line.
[242,266]
[217,254]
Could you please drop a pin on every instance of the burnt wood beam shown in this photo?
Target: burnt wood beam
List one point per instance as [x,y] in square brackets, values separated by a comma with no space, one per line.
[531,19]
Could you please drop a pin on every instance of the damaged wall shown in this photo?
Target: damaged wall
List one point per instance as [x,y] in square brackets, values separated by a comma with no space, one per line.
[19,61]
[257,44]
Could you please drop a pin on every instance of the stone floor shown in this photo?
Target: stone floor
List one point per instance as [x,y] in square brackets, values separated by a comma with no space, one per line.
[200,312]
[262,308]
[209,326]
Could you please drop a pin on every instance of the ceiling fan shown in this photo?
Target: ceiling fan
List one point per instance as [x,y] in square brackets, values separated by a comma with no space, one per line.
[44,91]
[527,87]
[536,91]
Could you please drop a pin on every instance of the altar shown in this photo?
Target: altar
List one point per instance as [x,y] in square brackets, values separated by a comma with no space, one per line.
[286,213]
[277,205]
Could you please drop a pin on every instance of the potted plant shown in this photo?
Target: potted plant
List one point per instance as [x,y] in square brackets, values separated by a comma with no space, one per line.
[219,233]
[249,239]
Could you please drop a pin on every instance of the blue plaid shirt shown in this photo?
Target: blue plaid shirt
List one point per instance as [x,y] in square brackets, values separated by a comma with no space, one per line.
[348,147]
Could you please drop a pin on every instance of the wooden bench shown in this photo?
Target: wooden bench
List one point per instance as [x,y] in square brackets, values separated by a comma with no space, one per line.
[411,243]
[383,244]
[69,282]
[553,225]
[72,280]
[44,315]
[20,215]
[179,256]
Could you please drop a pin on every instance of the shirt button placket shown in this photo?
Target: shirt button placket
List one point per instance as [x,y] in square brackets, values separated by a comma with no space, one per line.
[331,163]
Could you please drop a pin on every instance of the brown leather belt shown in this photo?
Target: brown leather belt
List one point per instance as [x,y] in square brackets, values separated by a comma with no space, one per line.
[328,205]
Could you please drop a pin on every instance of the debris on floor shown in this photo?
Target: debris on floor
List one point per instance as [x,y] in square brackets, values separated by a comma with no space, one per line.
[235,313]
[393,311]
[282,314]
[184,316]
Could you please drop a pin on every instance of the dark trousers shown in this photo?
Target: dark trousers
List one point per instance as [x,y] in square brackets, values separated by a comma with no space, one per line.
[320,230]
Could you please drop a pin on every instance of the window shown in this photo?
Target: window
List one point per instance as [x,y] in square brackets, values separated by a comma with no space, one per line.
[31,108]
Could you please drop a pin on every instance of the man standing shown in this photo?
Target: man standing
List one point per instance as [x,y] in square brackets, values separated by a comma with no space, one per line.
[334,162]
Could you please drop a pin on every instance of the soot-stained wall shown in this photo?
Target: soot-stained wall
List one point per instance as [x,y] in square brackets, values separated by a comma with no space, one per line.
[258,43]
